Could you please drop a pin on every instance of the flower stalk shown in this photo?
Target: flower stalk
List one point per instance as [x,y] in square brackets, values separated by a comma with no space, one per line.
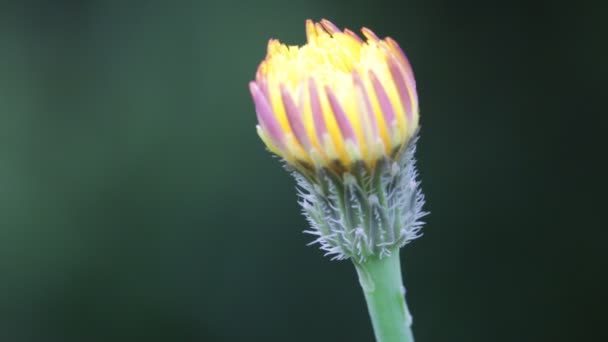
[382,285]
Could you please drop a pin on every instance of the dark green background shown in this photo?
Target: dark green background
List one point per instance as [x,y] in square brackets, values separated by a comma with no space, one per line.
[137,203]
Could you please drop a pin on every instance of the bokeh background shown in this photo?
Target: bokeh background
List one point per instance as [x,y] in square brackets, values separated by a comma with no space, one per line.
[137,203]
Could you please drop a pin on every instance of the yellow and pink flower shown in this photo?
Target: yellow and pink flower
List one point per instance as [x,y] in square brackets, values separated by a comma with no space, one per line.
[337,100]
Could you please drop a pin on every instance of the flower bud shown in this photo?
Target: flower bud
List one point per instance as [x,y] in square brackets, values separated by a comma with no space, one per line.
[343,114]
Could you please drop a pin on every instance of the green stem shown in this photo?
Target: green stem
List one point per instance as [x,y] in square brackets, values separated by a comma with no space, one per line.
[385,296]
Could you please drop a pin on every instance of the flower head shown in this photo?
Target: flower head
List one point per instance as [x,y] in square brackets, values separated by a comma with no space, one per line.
[336,101]
[343,113]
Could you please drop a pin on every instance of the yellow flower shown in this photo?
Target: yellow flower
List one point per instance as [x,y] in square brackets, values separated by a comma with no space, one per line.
[336,101]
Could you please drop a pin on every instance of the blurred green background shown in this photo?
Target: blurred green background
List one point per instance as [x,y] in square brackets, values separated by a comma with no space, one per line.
[137,203]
